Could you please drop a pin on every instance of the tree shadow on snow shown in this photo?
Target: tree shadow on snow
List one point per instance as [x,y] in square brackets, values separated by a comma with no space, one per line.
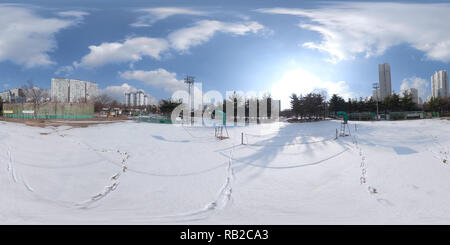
[266,150]
[166,140]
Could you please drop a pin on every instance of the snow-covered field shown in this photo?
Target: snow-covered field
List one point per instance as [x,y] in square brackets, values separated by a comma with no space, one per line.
[142,173]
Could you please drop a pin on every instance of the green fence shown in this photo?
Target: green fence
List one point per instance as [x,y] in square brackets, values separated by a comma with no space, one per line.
[361,116]
[431,114]
[31,116]
[157,119]
[71,111]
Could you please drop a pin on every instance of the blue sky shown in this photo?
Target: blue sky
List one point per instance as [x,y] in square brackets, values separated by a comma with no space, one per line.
[275,46]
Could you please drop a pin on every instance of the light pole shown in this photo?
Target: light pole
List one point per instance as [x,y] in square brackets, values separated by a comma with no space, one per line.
[376,86]
[190,81]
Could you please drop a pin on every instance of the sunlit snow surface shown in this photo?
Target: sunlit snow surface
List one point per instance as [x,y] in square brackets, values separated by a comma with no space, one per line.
[142,173]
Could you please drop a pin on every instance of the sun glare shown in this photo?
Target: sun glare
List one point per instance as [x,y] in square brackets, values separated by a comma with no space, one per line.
[301,81]
[294,81]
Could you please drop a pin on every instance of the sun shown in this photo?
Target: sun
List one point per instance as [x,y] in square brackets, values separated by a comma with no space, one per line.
[297,81]
[301,81]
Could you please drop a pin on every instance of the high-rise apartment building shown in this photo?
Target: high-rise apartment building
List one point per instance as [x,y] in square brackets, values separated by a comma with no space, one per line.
[384,75]
[414,94]
[13,95]
[439,84]
[138,98]
[73,90]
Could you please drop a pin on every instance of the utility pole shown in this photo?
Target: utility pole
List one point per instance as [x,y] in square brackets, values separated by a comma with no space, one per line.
[190,81]
[376,86]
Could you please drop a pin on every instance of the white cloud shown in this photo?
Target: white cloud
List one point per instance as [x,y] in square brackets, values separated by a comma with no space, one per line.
[300,81]
[159,78]
[118,93]
[415,82]
[131,50]
[369,29]
[26,38]
[152,15]
[79,15]
[134,49]
[64,71]
[203,30]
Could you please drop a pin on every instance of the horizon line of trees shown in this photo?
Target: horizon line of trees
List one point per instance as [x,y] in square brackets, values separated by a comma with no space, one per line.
[166,106]
[314,105]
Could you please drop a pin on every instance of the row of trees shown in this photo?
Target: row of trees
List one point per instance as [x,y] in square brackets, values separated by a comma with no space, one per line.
[392,103]
[236,100]
[239,101]
[314,105]
[311,105]
[438,104]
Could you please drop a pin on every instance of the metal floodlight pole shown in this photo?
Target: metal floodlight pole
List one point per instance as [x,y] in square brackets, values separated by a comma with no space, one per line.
[190,81]
[376,86]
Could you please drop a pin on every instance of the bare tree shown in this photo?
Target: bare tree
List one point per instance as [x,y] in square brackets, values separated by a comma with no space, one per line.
[102,101]
[34,95]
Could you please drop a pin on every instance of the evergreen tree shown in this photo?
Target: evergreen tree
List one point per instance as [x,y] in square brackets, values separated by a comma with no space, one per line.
[392,103]
[433,104]
[407,103]
[167,106]
[337,103]
[445,104]
[295,105]
[350,106]
[310,105]
[371,105]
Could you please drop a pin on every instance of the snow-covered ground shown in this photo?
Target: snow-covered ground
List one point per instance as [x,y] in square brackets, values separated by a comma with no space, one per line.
[142,173]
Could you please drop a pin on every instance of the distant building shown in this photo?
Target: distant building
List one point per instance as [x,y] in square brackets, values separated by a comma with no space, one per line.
[132,101]
[138,98]
[16,95]
[6,96]
[439,84]
[127,99]
[384,75]
[73,90]
[414,94]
